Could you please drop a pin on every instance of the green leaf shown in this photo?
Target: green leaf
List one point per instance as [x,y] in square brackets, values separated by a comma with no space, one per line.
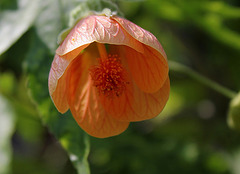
[14,23]
[7,83]
[208,16]
[7,125]
[53,18]
[49,23]
[63,126]
[10,4]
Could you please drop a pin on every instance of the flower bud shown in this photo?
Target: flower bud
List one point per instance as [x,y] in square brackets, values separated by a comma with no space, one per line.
[234,113]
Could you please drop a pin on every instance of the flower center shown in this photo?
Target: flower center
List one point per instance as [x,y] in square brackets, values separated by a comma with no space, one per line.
[109,76]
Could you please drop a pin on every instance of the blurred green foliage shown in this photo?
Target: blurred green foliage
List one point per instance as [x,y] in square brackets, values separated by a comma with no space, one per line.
[6,128]
[190,136]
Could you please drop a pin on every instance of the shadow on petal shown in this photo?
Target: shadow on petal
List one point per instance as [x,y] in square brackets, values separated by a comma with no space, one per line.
[85,104]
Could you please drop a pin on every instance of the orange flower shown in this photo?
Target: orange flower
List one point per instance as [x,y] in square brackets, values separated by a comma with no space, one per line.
[109,72]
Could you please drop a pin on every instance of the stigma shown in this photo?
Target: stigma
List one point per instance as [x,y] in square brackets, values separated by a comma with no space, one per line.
[109,76]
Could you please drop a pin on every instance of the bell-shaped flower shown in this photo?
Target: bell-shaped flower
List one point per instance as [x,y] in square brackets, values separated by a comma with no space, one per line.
[109,72]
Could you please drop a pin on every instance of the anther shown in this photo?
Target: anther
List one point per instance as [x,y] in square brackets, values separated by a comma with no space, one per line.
[109,76]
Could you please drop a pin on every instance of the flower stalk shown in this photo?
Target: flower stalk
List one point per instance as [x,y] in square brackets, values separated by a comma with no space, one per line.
[178,67]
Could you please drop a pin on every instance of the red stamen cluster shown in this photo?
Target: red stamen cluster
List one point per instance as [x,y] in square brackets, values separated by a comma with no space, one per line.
[109,76]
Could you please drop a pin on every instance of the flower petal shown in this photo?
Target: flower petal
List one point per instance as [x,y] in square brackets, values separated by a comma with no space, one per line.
[84,100]
[135,105]
[140,34]
[57,78]
[149,70]
[73,54]
[101,29]
[57,83]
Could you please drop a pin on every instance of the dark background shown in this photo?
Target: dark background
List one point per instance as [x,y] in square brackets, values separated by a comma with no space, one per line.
[190,136]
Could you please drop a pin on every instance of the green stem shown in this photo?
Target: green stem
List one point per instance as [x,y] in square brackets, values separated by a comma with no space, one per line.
[82,166]
[178,67]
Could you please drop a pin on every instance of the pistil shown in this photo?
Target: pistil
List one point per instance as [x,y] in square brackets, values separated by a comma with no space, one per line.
[109,76]
[102,51]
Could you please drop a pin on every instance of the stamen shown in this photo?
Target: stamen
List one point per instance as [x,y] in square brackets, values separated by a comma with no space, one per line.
[109,76]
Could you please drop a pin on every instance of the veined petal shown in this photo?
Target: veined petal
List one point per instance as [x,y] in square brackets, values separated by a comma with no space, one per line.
[84,101]
[58,67]
[74,53]
[57,83]
[149,69]
[59,96]
[149,105]
[136,105]
[140,34]
[101,29]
